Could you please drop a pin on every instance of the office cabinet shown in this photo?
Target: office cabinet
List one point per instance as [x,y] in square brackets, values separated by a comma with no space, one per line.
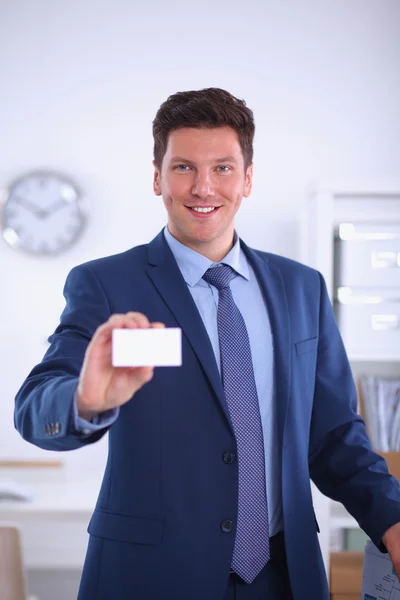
[351,234]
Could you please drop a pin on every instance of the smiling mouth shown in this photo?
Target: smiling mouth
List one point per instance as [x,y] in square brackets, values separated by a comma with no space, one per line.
[203,209]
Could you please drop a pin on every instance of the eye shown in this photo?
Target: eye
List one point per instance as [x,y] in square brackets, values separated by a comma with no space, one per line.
[224,168]
[182,167]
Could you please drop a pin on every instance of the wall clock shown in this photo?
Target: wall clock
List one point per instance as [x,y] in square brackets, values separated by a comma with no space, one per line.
[43,213]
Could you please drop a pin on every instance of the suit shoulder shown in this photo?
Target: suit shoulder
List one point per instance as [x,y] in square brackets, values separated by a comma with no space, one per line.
[116,262]
[287,265]
[301,282]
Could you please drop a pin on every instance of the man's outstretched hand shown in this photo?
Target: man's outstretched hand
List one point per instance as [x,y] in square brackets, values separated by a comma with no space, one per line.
[101,386]
[391,539]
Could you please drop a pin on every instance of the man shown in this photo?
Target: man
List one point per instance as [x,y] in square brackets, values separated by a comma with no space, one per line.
[206,493]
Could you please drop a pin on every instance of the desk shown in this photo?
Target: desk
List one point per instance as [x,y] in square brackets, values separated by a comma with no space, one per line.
[54,524]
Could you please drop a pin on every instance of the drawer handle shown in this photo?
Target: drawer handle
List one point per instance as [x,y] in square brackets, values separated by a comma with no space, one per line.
[385,322]
[345,295]
[351,232]
[385,260]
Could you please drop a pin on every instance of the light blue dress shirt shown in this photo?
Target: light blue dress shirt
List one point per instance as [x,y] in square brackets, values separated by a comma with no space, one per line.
[250,301]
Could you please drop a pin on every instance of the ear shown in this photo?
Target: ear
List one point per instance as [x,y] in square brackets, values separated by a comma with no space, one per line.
[156,180]
[248,182]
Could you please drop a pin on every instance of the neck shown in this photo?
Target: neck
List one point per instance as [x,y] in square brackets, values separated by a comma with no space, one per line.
[214,250]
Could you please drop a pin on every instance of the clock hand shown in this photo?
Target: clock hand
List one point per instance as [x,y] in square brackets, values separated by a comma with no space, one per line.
[44,213]
[57,205]
[28,205]
[41,213]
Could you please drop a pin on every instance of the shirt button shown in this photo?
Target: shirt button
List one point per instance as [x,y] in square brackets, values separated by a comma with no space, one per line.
[229,457]
[226,526]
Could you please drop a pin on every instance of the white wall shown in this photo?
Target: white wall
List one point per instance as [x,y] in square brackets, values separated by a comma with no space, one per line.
[80,85]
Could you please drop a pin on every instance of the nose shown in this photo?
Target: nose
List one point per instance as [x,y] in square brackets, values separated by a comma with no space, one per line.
[203,186]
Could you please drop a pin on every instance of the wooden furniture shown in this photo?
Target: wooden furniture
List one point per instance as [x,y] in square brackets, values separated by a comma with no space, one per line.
[12,576]
[346,575]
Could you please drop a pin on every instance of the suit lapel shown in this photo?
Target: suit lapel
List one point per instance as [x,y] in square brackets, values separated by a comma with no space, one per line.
[167,278]
[272,286]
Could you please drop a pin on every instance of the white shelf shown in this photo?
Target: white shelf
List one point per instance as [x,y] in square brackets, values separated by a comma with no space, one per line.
[373,359]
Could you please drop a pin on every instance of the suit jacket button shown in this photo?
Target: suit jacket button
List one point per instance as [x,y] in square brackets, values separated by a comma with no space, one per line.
[226,526]
[229,457]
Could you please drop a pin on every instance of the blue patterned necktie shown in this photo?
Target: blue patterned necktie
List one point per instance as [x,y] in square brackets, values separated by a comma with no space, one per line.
[251,551]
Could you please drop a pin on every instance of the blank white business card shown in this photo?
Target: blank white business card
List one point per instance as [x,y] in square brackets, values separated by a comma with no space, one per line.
[147,347]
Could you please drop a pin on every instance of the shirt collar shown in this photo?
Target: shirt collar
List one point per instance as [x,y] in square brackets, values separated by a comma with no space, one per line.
[193,265]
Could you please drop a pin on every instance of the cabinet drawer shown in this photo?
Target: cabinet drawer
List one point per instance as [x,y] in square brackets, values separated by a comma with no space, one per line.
[368,256]
[369,323]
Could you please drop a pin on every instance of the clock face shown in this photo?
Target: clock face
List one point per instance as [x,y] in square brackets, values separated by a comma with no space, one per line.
[42,213]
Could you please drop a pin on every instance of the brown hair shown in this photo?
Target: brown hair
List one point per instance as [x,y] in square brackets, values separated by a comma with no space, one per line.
[207,108]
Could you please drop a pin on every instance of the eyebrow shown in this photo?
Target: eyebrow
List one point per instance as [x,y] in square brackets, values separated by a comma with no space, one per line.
[178,159]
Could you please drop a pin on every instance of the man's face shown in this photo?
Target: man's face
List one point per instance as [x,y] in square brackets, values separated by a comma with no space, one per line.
[202,182]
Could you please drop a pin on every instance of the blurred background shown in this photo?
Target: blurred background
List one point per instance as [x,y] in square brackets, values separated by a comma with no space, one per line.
[80,85]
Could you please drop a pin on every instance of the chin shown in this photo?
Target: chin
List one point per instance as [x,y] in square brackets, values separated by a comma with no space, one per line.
[201,233]
[201,236]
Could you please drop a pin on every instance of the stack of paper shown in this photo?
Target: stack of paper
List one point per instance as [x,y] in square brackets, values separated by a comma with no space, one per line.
[14,490]
[381,399]
[379,579]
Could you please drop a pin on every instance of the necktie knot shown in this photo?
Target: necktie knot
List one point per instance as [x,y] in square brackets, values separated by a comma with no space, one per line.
[220,277]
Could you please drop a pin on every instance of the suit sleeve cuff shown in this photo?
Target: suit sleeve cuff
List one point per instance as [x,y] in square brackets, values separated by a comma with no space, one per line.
[101,421]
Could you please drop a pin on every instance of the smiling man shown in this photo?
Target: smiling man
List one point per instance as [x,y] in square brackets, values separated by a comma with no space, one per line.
[206,493]
[203,177]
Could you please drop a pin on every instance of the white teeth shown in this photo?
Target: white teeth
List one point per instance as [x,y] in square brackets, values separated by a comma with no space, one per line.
[203,210]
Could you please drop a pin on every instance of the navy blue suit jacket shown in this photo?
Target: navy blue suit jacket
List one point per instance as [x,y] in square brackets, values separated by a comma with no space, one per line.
[156,530]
